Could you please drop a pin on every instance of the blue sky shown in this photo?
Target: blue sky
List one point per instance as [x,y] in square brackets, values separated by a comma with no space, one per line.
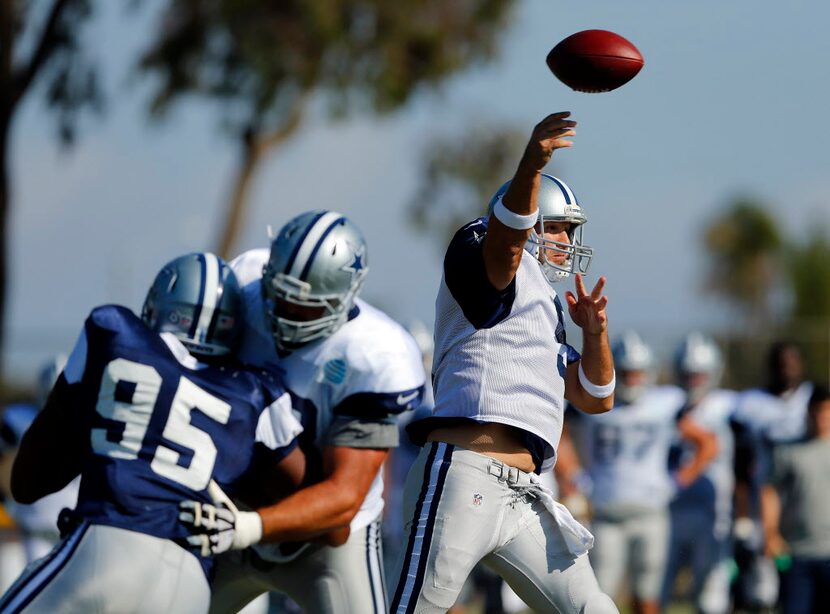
[733,99]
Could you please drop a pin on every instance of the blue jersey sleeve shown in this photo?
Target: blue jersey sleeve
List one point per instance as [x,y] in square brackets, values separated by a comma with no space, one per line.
[466,277]
[380,405]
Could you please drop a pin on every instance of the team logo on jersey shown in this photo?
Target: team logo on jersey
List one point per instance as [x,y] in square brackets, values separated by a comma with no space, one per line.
[335,371]
[478,499]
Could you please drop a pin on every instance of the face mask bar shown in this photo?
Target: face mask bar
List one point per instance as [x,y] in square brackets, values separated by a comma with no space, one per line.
[577,256]
[291,334]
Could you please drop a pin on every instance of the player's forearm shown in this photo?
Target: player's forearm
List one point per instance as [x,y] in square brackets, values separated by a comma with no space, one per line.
[309,513]
[706,449]
[598,366]
[770,511]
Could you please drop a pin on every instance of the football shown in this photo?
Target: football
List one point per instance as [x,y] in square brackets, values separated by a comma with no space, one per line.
[595,61]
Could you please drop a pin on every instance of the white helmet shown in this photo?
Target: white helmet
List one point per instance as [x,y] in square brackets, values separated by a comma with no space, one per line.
[557,203]
[698,355]
[632,354]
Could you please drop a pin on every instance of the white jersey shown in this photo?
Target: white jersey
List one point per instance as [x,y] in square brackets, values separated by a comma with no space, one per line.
[625,452]
[370,362]
[779,419]
[500,356]
[713,490]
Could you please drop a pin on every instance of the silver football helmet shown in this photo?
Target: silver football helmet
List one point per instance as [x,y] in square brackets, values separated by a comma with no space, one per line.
[557,203]
[632,356]
[698,365]
[317,265]
[197,298]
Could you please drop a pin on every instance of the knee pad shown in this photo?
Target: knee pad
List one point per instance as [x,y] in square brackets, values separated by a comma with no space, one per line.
[600,603]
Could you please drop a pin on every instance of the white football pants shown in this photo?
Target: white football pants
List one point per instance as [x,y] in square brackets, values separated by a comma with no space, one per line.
[97,568]
[322,580]
[462,508]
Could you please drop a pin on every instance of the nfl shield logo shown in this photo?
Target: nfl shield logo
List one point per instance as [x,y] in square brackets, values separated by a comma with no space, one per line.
[477,499]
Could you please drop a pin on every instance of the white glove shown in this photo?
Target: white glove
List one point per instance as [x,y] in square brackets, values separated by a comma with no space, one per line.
[220,527]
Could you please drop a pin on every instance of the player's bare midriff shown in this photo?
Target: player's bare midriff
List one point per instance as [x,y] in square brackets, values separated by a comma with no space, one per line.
[500,441]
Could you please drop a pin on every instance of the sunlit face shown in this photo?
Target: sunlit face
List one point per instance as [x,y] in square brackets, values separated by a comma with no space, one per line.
[555,231]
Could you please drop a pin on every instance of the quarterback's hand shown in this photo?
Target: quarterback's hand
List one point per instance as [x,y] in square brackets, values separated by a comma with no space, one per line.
[588,310]
[548,136]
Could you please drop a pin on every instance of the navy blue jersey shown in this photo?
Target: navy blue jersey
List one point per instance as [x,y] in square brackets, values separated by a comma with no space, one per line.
[159,425]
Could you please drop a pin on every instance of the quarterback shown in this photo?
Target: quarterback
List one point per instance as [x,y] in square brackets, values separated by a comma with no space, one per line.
[501,375]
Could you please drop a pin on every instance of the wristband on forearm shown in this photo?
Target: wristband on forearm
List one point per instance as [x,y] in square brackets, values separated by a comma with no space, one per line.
[514,220]
[598,392]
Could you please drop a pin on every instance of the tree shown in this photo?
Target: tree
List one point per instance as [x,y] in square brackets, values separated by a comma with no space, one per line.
[744,247]
[460,173]
[809,275]
[266,61]
[39,43]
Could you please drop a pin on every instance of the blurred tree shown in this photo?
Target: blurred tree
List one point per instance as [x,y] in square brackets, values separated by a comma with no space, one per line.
[744,246]
[40,44]
[460,173]
[809,276]
[267,60]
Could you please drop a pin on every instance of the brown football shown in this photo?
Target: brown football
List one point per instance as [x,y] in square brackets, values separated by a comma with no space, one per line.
[595,61]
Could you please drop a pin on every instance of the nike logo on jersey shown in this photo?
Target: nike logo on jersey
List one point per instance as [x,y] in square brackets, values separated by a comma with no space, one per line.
[403,399]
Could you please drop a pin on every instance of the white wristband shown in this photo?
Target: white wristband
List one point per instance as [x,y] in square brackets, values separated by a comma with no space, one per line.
[598,392]
[247,530]
[514,220]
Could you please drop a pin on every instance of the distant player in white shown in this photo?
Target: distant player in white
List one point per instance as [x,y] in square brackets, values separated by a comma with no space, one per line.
[701,513]
[767,417]
[625,455]
[501,375]
[350,370]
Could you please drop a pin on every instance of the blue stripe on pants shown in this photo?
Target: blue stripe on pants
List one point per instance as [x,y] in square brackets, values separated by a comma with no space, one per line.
[420,536]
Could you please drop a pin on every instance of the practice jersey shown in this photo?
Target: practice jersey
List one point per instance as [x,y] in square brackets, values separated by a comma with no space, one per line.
[625,452]
[500,356]
[778,419]
[365,373]
[39,518]
[159,425]
[712,492]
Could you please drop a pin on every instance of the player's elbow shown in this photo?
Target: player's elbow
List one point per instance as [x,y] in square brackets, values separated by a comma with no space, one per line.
[593,405]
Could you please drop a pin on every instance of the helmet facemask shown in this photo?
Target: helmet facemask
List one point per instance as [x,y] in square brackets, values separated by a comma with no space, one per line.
[577,256]
[289,333]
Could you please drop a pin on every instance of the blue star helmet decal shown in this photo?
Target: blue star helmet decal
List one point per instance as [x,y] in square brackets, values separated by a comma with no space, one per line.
[356,266]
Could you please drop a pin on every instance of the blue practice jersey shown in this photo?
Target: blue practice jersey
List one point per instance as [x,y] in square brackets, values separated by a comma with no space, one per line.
[159,425]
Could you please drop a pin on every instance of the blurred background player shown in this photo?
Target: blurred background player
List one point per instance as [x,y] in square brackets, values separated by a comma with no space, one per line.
[351,370]
[701,513]
[625,455]
[149,411]
[502,372]
[37,522]
[765,418]
[794,506]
